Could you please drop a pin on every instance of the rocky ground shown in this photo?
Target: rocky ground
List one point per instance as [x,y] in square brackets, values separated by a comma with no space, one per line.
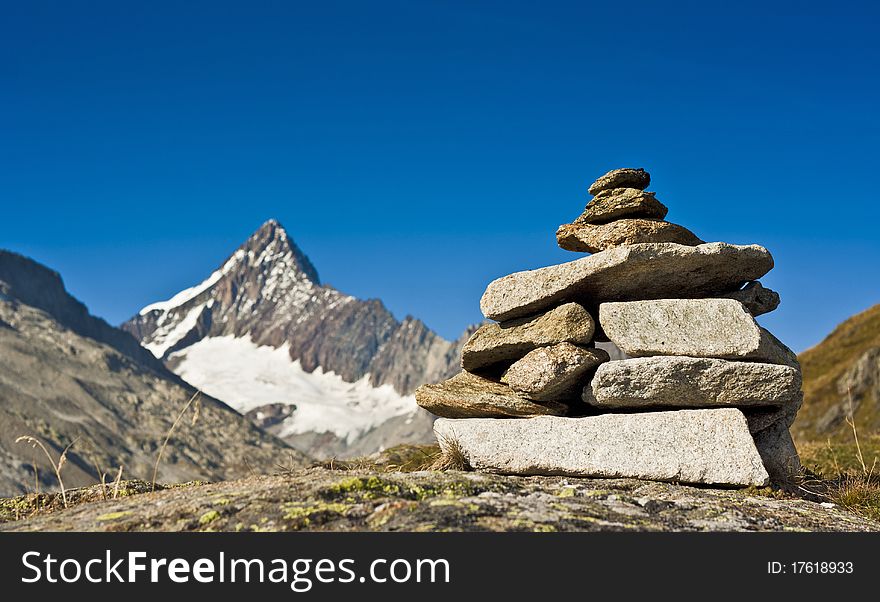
[321,499]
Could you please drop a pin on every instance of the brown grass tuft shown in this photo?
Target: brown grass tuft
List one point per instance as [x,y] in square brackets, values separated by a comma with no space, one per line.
[452,456]
[842,475]
[405,457]
[56,466]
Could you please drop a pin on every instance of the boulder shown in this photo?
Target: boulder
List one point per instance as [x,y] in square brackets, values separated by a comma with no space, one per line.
[779,454]
[617,203]
[720,328]
[593,238]
[642,271]
[711,447]
[467,395]
[757,299]
[626,177]
[493,344]
[688,382]
[554,373]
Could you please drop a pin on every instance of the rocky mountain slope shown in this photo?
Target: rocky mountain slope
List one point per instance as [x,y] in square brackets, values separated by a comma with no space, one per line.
[67,376]
[846,363]
[262,329]
[330,500]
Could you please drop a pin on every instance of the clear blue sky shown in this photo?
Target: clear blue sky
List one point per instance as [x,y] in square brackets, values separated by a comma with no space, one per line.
[417,150]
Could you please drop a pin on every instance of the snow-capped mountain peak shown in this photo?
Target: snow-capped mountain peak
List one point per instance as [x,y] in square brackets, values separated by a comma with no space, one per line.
[270,245]
[269,254]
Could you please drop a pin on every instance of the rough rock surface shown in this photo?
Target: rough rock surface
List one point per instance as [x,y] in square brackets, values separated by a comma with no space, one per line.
[496,343]
[332,500]
[617,203]
[593,238]
[553,373]
[467,395]
[757,299]
[643,271]
[712,447]
[626,177]
[778,453]
[688,382]
[720,328]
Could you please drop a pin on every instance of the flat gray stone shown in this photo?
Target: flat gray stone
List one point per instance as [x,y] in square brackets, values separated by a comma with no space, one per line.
[494,344]
[711,447]
[756,297]
[626,177]
[720,328]
[556,373]
[689,382]
[593,238]
[616,203]
[467,395]
[642,271]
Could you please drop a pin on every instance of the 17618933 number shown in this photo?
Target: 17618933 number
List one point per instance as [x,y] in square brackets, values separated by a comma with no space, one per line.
[815,567]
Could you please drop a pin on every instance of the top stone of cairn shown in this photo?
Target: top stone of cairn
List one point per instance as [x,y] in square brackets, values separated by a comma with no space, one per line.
[626,177]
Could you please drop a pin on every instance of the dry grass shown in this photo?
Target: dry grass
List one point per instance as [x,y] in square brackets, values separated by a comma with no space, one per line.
[56,466]
[851,421]
[116,483]
[405,458]
[195,399]
[845,474]
[194,402]
[102,479]
[859,493]
[452,457]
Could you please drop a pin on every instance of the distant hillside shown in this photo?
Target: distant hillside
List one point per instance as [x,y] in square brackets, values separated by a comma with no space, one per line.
[847,360]
[67,376]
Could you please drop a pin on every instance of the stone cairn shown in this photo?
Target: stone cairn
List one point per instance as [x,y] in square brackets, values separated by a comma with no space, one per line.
[698,392]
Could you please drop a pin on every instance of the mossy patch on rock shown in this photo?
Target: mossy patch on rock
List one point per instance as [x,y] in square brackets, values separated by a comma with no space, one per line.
[208,517]
[303,515]
[113,516]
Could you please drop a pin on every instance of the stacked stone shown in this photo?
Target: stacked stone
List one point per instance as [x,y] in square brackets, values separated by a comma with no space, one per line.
[622,213]
[702,393]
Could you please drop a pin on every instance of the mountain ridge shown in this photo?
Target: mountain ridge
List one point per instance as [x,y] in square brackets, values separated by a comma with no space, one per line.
[26,281]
